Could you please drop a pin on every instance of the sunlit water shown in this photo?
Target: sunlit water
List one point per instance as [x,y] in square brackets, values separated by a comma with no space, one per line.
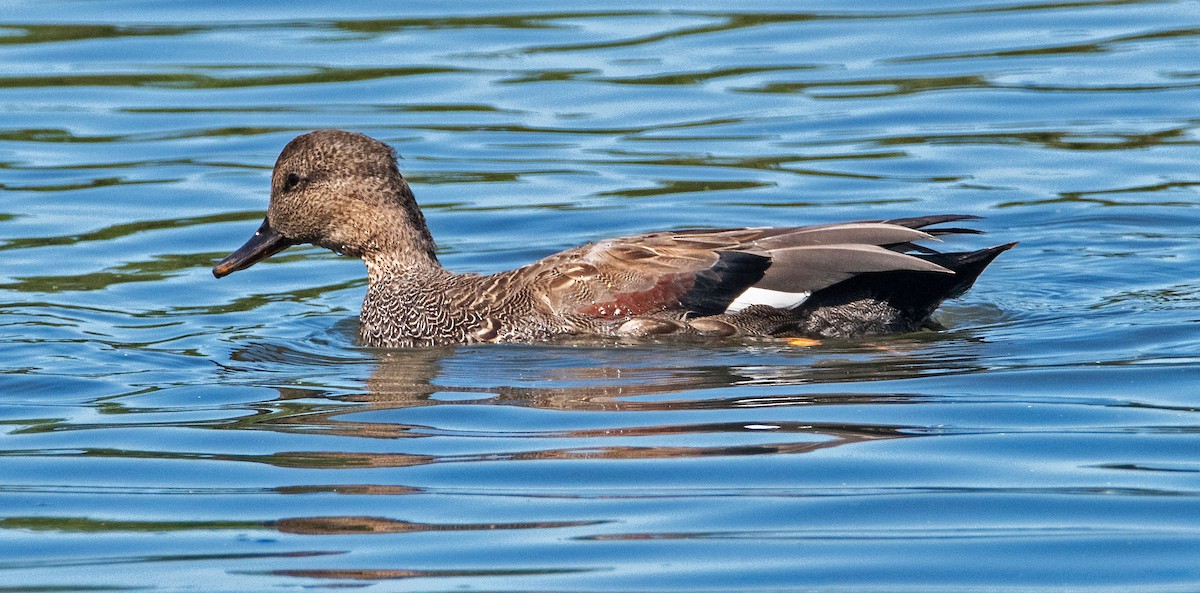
[165,431]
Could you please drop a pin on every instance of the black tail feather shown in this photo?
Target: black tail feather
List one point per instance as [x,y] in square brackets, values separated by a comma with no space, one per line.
[967,266]
[895,301]
[920,222]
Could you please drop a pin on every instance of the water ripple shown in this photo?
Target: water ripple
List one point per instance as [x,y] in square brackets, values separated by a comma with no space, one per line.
[163,429]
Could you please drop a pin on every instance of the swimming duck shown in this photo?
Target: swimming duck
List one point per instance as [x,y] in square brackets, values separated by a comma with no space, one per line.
[344,191]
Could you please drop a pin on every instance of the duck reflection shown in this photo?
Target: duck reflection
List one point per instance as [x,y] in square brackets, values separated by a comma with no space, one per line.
[362,525]
[560,404]
[710,395]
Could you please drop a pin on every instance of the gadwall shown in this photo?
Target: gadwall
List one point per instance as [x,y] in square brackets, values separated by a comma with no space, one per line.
[343,191]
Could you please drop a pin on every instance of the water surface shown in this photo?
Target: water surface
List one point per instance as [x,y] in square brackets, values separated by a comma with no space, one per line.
[162,430]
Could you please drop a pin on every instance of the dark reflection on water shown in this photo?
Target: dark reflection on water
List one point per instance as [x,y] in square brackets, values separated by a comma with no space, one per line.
[163,431]
[302,525]
[389,574]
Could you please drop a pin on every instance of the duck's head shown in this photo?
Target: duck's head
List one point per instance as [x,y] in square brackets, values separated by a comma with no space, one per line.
[342,191]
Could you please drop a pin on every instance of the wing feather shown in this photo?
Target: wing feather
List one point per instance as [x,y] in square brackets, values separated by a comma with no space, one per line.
[704,271]
[813,267]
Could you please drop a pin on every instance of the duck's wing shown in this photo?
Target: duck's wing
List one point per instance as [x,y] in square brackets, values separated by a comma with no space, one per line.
[706,272]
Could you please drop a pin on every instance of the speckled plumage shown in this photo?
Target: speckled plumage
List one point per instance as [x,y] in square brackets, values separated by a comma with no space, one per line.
[343,191]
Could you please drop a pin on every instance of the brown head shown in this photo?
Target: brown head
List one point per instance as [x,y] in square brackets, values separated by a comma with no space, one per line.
[342,191]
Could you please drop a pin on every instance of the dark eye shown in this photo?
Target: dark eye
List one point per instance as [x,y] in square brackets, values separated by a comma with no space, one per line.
[290,181]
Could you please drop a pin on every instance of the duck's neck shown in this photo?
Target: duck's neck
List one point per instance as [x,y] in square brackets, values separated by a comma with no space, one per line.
[397,235]
[404,271]
[406,302]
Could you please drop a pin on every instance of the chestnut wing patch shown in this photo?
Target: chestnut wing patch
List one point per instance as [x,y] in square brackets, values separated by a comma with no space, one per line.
[647,274]
[697,285]
[665,294]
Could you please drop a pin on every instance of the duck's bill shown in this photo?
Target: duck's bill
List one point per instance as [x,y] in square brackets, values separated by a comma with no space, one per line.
[265,243]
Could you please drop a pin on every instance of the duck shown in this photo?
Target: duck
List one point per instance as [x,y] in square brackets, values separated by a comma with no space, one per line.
[344,191]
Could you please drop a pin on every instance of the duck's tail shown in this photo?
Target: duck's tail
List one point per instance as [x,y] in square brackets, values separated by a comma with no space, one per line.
[967,266]
[895,301]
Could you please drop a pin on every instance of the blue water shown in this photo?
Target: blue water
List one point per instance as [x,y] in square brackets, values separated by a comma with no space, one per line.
[164,431]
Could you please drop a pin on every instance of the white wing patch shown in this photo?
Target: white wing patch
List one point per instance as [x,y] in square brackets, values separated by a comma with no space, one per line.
[762,296]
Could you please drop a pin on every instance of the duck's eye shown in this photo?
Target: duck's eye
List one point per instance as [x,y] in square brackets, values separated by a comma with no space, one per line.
[290,181]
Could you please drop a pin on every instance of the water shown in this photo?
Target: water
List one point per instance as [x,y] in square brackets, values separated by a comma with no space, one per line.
[166,431]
